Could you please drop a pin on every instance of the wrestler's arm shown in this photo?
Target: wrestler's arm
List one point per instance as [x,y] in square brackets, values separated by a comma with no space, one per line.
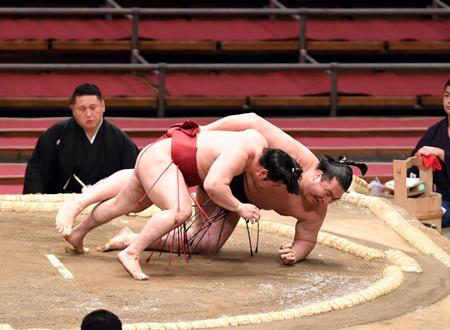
[304,240]
[249,120]
[217,182]
[273,134]
[235,123]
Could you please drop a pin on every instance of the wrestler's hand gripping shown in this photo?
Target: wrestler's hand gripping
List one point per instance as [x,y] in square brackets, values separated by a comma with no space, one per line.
[249,212]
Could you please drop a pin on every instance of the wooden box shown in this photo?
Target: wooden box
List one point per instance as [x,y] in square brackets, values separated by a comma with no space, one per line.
[426,207]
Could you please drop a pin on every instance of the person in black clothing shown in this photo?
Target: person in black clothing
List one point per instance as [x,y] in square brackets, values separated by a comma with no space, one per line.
[436,142]
[79,151]
[101,319]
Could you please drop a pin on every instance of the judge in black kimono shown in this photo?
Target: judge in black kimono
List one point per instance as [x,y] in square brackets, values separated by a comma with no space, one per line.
[436,142]
[79,151]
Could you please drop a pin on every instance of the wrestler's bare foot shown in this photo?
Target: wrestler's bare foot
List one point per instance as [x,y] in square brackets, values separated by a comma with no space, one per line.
[120,241]
[70,250]
[77,243]
[131,265]
[66,216]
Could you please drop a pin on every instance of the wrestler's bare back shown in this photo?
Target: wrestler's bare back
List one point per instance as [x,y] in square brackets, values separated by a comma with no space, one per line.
[238,152]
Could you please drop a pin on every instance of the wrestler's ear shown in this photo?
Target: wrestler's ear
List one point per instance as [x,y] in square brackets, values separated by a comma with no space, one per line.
[318,175]
[262,173]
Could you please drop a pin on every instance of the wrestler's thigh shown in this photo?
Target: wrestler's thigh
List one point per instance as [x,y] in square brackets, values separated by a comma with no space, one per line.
[130,196]
[166,188]
[108,187]
[118,179]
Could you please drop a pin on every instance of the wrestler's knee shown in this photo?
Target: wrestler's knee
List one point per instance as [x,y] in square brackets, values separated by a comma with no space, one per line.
[207,249]
[182,215]
[118,205]
[208,246]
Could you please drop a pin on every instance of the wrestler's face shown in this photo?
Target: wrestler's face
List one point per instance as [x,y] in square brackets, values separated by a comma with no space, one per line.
[320,191]
[87,111]
[446,100]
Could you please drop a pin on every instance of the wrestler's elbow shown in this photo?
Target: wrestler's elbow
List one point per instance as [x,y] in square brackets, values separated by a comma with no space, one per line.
[213,186]
[251,117]
[300,258]
[301,253]
[246,120]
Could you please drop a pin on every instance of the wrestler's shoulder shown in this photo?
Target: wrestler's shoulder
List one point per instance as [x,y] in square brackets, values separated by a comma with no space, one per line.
[253,134]
[314,214]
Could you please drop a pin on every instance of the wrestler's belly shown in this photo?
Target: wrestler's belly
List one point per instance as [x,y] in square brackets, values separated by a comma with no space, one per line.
[264,203]
[279,203]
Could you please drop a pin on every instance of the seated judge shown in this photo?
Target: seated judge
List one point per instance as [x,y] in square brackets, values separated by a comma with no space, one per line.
[79,151]
[436,142]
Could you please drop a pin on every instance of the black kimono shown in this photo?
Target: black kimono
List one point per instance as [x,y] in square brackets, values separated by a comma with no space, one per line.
[437,136]
[64,150]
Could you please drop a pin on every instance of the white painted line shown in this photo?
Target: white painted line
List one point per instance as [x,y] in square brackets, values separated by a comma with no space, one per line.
[59,266]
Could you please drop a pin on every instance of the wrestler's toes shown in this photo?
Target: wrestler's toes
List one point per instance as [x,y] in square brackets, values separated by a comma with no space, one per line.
[131,264]
[59,221]
[104,247]
[141,277]
[67,231]
[125,230]
[73,251]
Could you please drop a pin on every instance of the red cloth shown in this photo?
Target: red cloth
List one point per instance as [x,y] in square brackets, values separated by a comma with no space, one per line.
[431,161]
[184,150]
[188,127]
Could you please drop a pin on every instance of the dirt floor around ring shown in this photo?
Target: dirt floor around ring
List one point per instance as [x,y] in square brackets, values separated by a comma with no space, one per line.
[35,295]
